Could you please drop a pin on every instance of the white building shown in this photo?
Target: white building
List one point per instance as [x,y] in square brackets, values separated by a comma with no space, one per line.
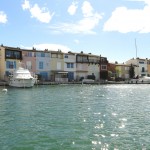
[140,66]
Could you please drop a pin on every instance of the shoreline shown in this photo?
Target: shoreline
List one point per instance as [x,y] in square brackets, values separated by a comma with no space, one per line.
[3,83]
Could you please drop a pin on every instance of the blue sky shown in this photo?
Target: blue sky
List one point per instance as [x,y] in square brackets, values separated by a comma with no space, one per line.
[102,27]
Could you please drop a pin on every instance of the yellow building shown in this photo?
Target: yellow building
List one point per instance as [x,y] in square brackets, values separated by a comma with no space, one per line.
[148,67]
[9,60]
[57,67]
[122,71]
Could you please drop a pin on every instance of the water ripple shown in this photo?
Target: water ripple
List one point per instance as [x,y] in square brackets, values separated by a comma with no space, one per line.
[75,117]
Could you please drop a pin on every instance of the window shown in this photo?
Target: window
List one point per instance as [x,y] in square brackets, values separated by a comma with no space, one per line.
[40,65]
[47,55]
[85,59]
[79,58]
[141,62]
[103,67]
[10,64]
[43,54]
[66,56]
[9,53]
[38,54]
[143,69]
[12,54]
[17,54]
[70,65]
[29,54]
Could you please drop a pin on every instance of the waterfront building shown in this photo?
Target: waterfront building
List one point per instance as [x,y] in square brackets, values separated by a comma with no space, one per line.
[103,68]
[37,62]
[122,71]
[89,65]
[140,66]
[111,67]
[94,66]
[43,64]
[148,67]
[10,59]
[29,60]
[57,67]
[70,65]
[84,64]
[81,66]
[53,65]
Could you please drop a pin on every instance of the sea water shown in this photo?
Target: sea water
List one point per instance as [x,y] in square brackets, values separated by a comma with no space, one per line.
[75,117]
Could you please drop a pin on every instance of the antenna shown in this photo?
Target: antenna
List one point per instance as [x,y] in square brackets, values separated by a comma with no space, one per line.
[136,48]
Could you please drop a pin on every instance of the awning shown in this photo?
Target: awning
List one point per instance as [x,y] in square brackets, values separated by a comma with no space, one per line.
[62,72]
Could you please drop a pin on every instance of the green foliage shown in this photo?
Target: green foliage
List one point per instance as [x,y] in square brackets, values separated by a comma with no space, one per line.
[131,72]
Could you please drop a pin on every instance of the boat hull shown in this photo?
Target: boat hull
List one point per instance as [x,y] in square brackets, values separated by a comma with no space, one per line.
[22,82]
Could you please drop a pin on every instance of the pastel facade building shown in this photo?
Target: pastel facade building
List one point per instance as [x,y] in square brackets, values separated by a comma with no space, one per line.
[52,65]
[122,71]
[94,66]
[57,67]
[140,66]
[10,59]
[70,65]
[88,64]
[37,62]
[43,64]
[29,60]
[148,67]
[81,66]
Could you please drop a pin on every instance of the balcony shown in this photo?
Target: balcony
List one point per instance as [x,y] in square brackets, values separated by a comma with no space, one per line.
[94,61]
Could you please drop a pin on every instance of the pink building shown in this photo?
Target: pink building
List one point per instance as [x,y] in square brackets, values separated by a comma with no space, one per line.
[29,60]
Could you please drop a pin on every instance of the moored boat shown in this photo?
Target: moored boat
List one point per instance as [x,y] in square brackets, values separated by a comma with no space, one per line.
[22,77]
[144,79]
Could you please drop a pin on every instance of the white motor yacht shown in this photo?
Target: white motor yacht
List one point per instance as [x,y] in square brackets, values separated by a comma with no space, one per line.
[22,78]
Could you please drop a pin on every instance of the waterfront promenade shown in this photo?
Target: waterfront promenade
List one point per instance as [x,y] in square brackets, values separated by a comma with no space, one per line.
[3,83]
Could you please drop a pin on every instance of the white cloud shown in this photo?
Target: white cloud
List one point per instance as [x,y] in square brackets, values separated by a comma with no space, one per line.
[145,1]
[126,20]
[86,25]
[51,47]
[72,8]
[41,14]
[26,5]
[3,17]
[77,41]
[87,9]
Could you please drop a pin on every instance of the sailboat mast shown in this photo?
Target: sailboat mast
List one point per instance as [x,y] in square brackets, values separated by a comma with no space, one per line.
[136,48]
[137,72]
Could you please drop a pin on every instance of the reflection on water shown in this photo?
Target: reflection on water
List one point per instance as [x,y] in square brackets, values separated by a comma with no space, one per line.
[75,117]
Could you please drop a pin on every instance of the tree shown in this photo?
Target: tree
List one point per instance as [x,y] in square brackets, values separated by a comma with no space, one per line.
[131,72]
